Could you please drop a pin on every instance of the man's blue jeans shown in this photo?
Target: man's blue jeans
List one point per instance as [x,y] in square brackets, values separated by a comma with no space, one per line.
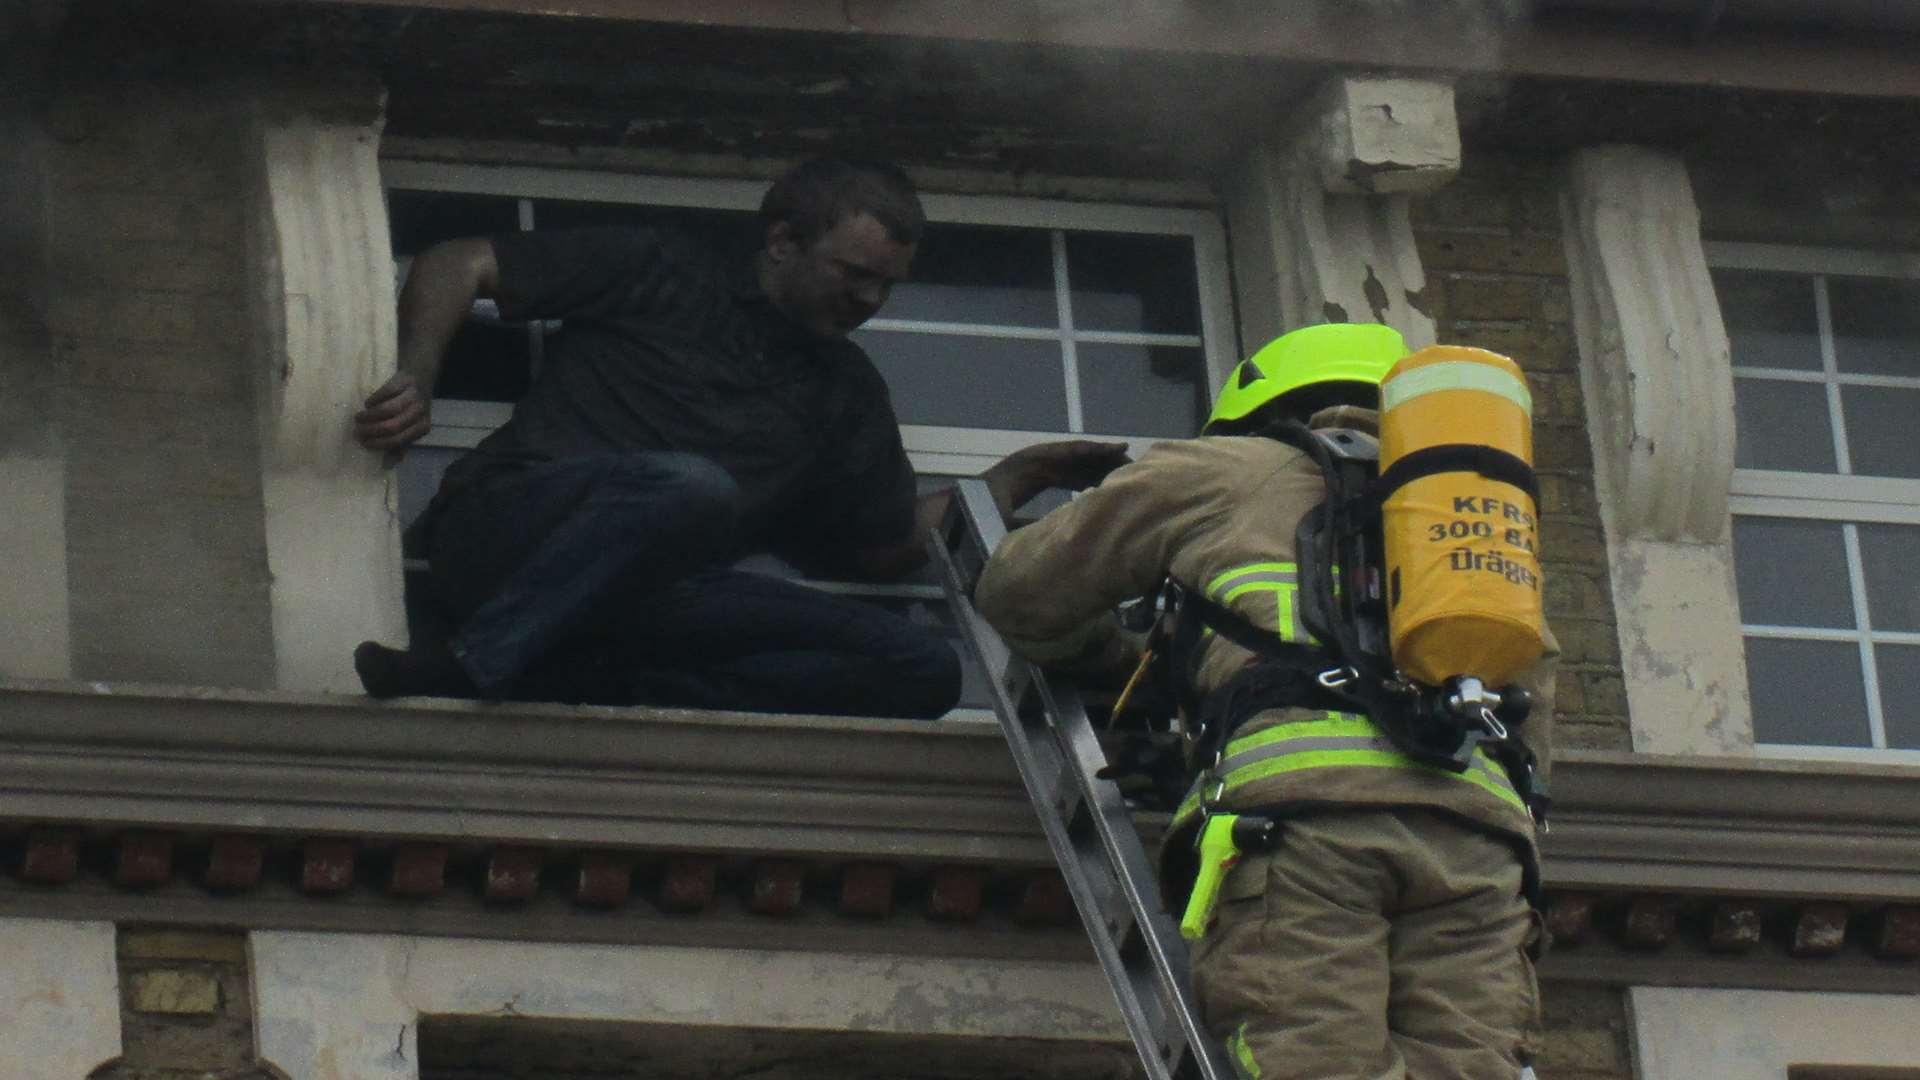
[602,579]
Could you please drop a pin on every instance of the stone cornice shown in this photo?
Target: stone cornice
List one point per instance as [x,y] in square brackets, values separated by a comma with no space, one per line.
[165,757]
[1735,825]
[551,823]
[156,757]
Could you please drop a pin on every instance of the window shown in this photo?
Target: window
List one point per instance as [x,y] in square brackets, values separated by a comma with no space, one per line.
[1826,493]
[1025,320]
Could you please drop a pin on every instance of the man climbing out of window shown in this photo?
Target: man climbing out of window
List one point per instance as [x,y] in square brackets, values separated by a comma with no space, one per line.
[690,412]
[1377,923]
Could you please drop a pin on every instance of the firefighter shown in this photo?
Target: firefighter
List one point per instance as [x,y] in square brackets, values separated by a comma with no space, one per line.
[1384,928]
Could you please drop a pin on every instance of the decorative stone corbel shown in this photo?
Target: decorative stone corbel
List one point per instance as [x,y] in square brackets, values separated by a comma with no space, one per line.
[331,506]
[1659,391]
[1319,211]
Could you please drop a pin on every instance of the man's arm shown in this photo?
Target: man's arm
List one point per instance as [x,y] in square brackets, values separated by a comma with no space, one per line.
[1075,464]
[1051,587]
[441,287]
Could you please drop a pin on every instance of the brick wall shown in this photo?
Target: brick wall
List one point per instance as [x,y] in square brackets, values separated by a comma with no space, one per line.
[1497,278]
[186,1011]
[148,313]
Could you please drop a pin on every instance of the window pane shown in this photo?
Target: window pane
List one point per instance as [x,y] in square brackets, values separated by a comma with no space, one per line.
[981,382]
[996,277]
[1880,430]
[1770,319]
[1791,573]
[1782,425]
[1782,677]
[1134,283]
[420,219]
[488,361]
[1142,389]
[1876,325]
[420,473]
[734,234]
[1893,596]
[1900,694]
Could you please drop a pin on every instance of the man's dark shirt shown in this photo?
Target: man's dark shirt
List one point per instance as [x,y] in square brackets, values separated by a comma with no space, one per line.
[664,347]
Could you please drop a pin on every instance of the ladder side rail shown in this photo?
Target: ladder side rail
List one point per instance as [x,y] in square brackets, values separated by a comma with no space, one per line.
[1122,873]
[1042,771]
[1136,916]
[1129,858]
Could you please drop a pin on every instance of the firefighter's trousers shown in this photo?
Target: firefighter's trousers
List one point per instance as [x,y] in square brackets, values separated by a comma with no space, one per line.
[1373,945]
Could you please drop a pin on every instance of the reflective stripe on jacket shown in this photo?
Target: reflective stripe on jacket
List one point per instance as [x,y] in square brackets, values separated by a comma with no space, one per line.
[1336,741]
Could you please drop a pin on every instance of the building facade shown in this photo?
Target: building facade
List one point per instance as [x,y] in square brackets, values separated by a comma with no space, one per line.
[1695,226]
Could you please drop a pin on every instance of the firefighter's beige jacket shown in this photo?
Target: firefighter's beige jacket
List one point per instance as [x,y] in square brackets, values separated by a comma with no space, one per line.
[1197,510]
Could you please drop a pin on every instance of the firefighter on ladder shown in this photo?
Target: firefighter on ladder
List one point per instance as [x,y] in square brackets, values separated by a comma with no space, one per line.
[1382,928]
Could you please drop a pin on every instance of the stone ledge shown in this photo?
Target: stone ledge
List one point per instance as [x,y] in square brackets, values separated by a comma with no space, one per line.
[229,808]
[1734,827]
[224,761]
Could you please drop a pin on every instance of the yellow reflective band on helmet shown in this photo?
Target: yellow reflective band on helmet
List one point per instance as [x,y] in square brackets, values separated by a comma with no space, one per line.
[1244,1066]
[1455,375]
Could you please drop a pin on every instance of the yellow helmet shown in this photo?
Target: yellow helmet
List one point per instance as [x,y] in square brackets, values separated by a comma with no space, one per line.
[1309,356]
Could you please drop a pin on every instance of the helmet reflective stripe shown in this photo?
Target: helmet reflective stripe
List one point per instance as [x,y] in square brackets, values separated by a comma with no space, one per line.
[1334,352]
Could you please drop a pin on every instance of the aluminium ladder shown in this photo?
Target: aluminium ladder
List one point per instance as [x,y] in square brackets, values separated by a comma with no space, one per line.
[1084,817]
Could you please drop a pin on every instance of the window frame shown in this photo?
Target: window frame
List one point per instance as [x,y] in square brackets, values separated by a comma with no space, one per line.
[933,450]
[1836,497]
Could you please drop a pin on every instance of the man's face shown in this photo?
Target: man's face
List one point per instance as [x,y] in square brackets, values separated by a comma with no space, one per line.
[839,281]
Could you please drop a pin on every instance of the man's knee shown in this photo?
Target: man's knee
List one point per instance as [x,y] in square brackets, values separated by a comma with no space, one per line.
[687,489]
[929,678]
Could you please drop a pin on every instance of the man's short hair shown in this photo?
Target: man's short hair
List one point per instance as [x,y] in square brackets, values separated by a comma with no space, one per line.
[816,195]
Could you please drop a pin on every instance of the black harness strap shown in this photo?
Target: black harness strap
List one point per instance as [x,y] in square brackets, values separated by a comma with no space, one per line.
[1336,536]
[1287,674]
[1490,462]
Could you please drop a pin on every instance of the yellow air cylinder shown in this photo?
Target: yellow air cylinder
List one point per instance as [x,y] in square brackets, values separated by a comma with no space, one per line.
[1463,564]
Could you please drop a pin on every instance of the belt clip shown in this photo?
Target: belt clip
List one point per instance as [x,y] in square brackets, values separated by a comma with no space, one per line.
[1335,678]
[1209,800]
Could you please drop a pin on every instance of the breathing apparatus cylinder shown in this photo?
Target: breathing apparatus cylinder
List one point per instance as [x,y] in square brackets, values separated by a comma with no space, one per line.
[1461,549]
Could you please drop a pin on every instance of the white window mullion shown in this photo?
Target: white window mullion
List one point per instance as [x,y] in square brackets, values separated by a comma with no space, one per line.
[1069,354]
[1830,365]
[1219,330]
[1863,622]
[1799,633]
[536,330]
